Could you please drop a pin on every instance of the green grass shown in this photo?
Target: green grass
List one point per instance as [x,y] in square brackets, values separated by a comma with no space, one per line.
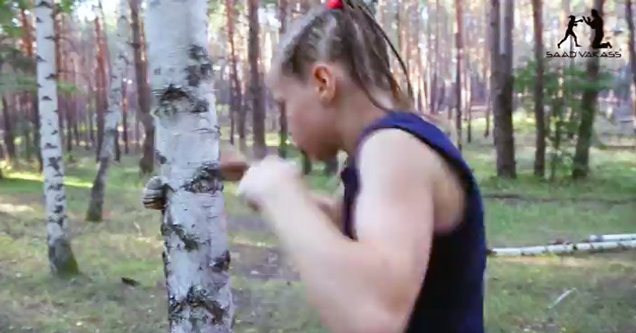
[127,244]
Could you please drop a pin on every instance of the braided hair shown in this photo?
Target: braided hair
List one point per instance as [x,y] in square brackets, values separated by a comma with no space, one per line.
[347,32]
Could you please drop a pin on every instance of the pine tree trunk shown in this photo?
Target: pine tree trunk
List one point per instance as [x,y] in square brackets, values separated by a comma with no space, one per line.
[632,49]
[495,63]
[282,130]
[61,258]
[589,101]
[101,86]
[539,113]
[235,85]
[27,39]
[111,117]
[9,138]
[92,105]
[503,131]
[147,161]
[487,52]
[124,120]
[258,107]
[196,255]
[458,74]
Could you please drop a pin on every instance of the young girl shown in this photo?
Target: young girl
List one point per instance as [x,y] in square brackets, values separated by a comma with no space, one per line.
[404,249]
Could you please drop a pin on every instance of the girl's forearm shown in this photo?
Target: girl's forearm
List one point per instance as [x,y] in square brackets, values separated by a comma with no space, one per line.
[340,274]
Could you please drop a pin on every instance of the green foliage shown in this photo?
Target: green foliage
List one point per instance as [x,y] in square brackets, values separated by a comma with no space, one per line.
[26,83]
[563,87]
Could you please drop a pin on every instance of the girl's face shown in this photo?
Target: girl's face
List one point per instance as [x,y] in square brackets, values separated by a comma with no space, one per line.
[312,122]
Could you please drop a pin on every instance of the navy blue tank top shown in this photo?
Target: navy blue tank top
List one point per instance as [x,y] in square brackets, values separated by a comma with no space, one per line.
[451,296]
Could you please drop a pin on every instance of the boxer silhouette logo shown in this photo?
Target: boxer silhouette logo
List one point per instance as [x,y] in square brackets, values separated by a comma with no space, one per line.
[598,46]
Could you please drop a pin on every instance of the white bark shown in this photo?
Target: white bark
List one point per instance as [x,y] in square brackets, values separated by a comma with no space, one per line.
[61,256]
[610,238]
[111,116]
[562,248]
[196,255]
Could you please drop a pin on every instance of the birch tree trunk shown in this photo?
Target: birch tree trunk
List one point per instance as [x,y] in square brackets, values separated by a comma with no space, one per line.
[196,256]
[111,117]
[61,258]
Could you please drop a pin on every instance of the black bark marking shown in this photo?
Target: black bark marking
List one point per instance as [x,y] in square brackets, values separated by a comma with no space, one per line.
[197,53]
[193,76]
[51,76]
[48,145]
[200,106]
[46,98]
[50,38]
[56,187]
[172,93]
[222,262]
[157,71]
[190,241]
[54,162]
[207,179]
[58,210]
[166,262]
[38,58]
[54,132]
[159,157]
[44,4]
[196,297]
[38,20]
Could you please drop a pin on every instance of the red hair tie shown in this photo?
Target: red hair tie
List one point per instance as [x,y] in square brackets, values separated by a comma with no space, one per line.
[334,4]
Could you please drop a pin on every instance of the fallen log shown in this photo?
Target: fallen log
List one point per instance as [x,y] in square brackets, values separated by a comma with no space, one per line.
[609,238]
[568,248]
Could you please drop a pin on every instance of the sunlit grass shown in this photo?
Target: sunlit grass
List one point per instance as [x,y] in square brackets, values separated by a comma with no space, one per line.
[128,244]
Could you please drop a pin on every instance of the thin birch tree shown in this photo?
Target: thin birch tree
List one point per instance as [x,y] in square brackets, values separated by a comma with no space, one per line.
[61,258]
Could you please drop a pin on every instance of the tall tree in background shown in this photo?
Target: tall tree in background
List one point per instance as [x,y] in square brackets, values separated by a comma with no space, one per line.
[495,63]
[28,98]
[111,116]
[589,102]
[632,49]
[236,104]
[458,74]
[100,103]
[147,161]
[539,114]
[196,256]
[282,123]
[61,258]
[256,93]
[503,131]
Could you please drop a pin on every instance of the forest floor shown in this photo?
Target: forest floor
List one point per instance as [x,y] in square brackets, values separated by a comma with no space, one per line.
[268,295]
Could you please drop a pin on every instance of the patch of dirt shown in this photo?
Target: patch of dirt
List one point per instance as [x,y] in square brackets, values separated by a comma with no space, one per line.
[263,263]
[252,223]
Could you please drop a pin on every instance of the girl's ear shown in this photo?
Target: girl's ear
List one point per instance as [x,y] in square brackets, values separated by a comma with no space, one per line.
[324,82]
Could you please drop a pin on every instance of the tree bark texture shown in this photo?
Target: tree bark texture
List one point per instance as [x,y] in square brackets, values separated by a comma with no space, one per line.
[539,112]
[196,256]
[111,117]
[589,101]
[503,131]
[256,93]
[61,258]
[146,164]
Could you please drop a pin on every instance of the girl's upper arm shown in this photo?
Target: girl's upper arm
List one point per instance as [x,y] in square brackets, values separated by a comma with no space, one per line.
[394,210]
